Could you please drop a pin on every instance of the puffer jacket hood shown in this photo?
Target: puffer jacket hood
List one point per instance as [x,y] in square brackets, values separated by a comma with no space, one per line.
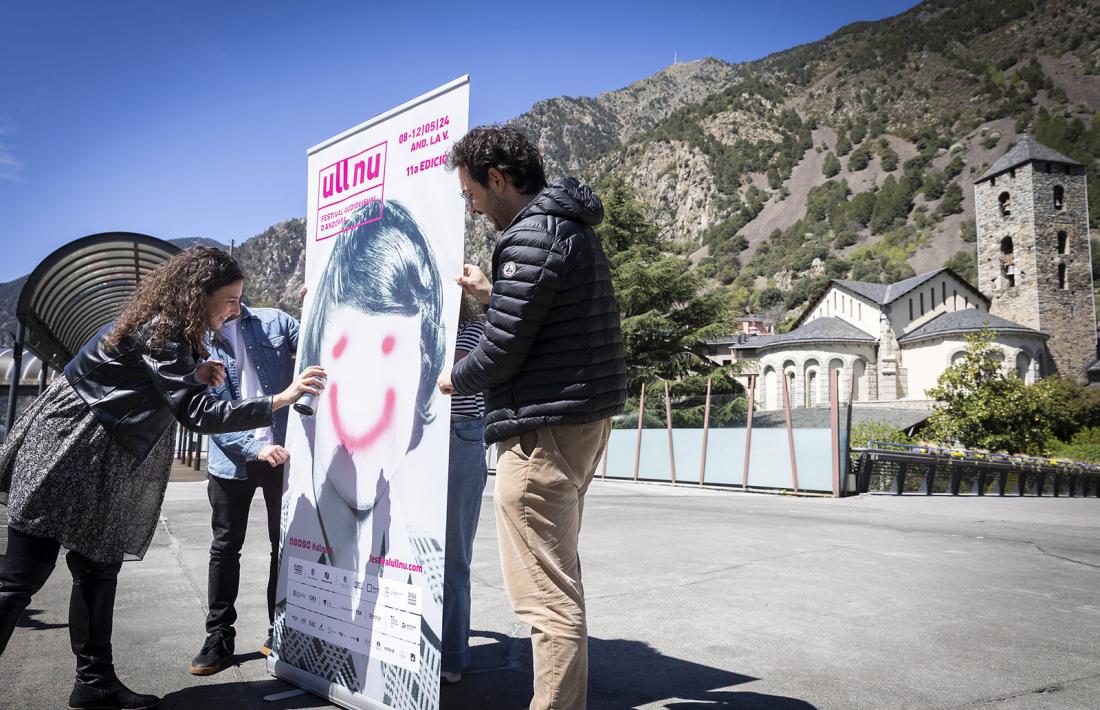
[570,199]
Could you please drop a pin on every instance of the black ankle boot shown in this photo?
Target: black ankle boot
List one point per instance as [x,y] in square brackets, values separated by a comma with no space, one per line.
[115,697]
[20,578]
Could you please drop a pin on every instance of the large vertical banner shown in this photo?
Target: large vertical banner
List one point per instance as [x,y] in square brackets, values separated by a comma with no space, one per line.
[360,599]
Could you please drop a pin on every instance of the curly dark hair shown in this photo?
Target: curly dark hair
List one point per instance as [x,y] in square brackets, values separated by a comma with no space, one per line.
[171,301]
[504,148]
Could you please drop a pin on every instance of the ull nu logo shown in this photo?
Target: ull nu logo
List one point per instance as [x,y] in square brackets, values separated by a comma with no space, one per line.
[349,189]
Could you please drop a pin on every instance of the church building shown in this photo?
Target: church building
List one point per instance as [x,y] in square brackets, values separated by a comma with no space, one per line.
[891,342]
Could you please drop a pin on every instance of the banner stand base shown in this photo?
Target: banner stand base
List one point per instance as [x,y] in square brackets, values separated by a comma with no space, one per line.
[320,687]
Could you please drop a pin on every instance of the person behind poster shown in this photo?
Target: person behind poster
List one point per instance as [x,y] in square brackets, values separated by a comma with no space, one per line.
[466,477]
[552,361]
[375,323]
[257,348]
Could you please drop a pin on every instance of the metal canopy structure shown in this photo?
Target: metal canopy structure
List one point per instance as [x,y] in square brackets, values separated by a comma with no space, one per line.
[75,291]
[82,286]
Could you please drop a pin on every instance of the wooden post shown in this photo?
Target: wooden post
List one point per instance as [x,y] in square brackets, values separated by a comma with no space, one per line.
[706,431]
[848,429]
[790,432]
[668,425]
[834,423]
[638,445]
[748,435]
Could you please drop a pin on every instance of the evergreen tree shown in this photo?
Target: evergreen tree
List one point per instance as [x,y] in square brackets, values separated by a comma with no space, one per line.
[667,313]
[952,200]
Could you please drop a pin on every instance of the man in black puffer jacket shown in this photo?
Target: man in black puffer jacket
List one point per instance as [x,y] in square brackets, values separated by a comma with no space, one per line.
[551,361]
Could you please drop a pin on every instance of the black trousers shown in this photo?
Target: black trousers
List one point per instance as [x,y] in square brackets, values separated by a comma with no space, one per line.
[230,500]
[25,568]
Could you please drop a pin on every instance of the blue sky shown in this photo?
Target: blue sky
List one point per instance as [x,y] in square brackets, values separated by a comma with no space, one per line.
[185,119]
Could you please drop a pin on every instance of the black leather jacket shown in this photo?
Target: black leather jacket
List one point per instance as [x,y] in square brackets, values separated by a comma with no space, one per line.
[135,394]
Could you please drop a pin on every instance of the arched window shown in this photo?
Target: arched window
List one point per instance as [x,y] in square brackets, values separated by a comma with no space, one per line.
[859,380]
[770,396]
[1059,197]
[837,365]
[1006,245]
[1061,276]
[1023,367]
[1062,242]
[1003,201]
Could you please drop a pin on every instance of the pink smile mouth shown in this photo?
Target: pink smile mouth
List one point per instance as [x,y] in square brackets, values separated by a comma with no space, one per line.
[359,442]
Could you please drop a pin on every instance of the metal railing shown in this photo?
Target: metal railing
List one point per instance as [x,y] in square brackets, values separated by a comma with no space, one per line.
[927,470]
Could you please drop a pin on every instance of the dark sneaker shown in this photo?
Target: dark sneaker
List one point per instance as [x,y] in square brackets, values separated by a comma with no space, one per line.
[216,654]
[115,697]
[266,648]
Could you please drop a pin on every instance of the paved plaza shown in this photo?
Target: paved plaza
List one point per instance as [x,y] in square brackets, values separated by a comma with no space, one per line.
[697,599]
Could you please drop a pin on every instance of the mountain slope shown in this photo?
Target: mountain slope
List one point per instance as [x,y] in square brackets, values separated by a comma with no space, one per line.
[852,156]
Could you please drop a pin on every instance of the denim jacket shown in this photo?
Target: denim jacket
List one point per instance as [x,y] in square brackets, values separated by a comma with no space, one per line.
[271,337]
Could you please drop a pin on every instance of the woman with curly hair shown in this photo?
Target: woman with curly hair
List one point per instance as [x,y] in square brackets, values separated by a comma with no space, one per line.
[86,467]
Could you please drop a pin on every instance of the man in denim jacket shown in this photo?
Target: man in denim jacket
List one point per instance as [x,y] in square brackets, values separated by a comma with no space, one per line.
[258,351]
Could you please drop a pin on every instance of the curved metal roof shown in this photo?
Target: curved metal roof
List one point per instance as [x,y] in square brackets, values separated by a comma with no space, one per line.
[28,372]
[82,286]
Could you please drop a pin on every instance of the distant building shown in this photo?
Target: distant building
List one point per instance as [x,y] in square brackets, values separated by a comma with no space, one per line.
[891,342]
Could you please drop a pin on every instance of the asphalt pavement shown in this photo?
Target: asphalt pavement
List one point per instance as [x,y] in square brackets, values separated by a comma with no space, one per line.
[697,599]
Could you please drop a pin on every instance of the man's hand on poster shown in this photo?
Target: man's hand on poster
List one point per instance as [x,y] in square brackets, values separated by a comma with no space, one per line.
[444,381]
[273,454]
[302,293]
[310,380]
[211,373]
[474,282]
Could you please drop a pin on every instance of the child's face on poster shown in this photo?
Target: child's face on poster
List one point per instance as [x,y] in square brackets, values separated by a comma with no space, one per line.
[369,404]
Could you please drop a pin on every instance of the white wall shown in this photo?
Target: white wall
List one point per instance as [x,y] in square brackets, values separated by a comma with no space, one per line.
[925,361]
[931,296]
[857,310]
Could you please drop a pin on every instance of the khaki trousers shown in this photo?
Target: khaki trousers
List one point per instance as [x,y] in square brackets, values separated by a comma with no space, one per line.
[541,480]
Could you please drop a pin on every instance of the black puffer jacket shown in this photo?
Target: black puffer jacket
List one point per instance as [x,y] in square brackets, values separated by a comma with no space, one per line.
[552,352]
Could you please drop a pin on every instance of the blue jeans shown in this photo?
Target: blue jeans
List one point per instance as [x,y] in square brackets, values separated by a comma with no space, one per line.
[465,485]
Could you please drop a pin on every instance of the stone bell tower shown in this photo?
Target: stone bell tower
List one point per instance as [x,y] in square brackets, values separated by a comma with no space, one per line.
[1031,211]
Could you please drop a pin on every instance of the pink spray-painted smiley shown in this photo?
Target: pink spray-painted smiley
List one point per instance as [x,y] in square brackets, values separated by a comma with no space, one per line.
[359,442]
[373,362]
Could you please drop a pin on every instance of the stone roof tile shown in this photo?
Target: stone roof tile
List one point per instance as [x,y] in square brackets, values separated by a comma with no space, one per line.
[967,320]
[1026,150]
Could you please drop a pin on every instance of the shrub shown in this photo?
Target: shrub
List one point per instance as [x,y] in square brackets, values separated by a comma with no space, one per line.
[1085,446]
[859,159]
[952,200]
